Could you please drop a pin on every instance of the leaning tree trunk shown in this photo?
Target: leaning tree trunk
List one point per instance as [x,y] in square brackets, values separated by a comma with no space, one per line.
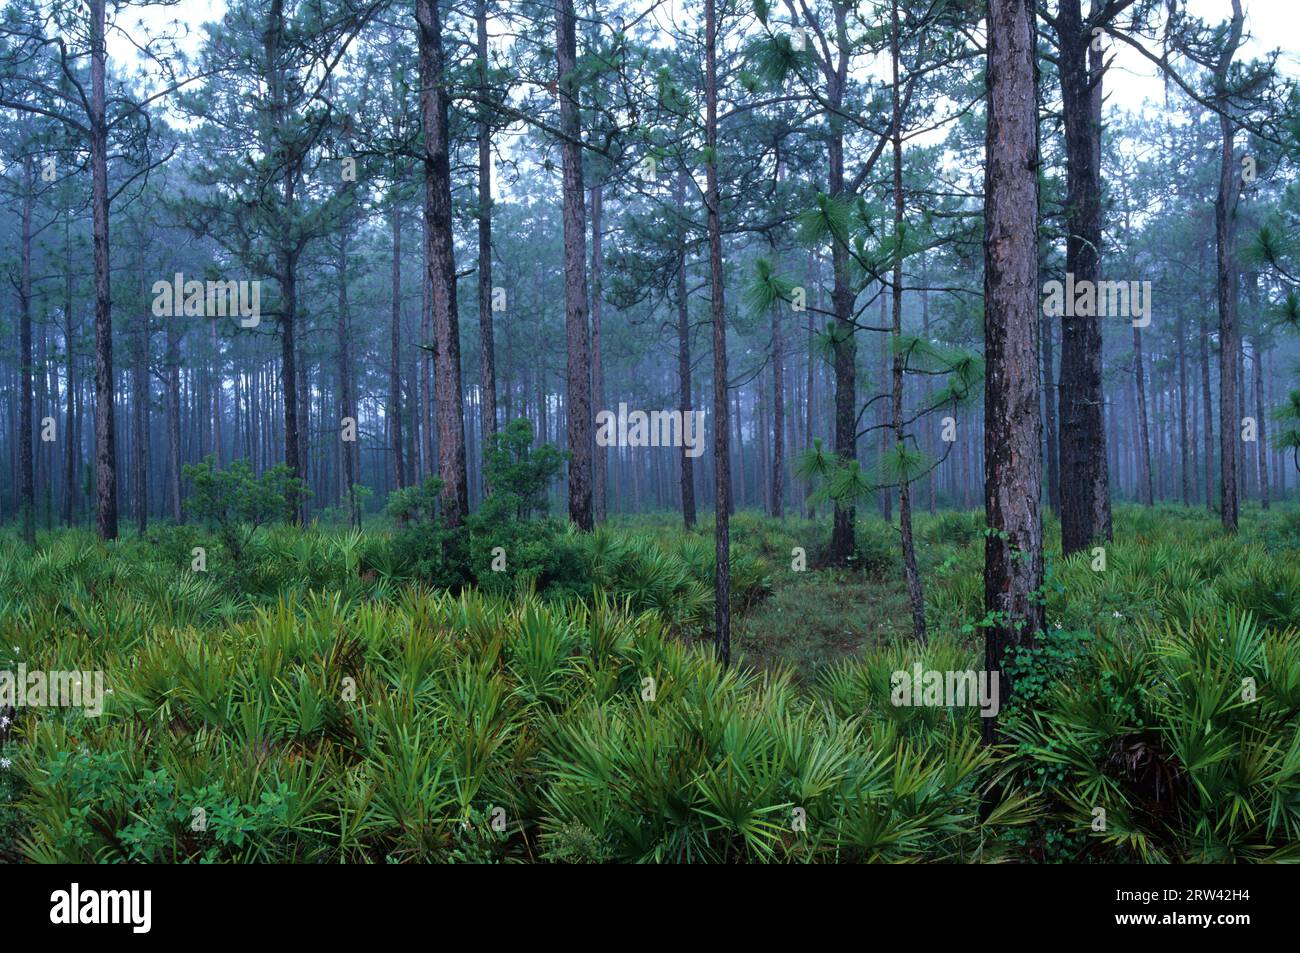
[442,265]
[722,470]
[577,399]
[1013,549]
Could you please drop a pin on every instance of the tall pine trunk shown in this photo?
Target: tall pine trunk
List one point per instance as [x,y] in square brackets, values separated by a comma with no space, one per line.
[1180,333]
[286,262]
[1085,483]
[722,472]
[173,388]
[914,592]
[1144,436]
[778,413]
[27,485]
[845,347]
[487,352]
[442,265]
[1013,549]
[1261,415]
[395,345]
[577,392]
[140,411]
[105,434]
[601,459]
[1208,407]
[1225,233]
[684,356]
[70,450]
[347,398]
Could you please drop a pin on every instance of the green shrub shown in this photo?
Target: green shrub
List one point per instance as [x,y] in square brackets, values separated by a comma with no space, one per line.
[236,502]
[1186,737]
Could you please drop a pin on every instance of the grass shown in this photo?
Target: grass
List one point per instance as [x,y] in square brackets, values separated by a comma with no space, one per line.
[814,619]
[309,708]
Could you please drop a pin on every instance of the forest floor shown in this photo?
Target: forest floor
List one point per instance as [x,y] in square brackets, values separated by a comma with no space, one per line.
[309,701]
[817,618]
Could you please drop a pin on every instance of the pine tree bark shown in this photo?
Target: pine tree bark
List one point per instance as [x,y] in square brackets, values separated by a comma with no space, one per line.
[1013,549]
[216,389]
[1208,415]
[1261,414]
[487,350]
[845,347]
[395,345]
[601,459]
[1144,436]
[1085,483]
[916,595]
[27,484]
[577,335]
[810,385]
[173,385]
[1180,334]
[883,415]
[427,420]
[140,412]
[70,345]
[932,479]
[286,258]
[347,397]
[778,413]
[442,265]
[722,472]
[684,358]
[1225,233]
[1053,439]
[105,422]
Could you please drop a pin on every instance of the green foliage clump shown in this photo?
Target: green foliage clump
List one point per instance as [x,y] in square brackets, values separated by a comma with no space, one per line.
[236,502]
[513,544]
[1172,743]
[423,547]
